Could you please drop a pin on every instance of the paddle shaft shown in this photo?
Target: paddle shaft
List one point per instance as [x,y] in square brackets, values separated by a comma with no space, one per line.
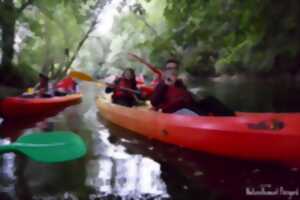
[7,148]
[14,147]
[85,77]
[103,84]
[124,89]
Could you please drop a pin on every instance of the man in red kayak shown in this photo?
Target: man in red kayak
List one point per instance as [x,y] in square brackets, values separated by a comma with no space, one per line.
[171,95]
[124,89]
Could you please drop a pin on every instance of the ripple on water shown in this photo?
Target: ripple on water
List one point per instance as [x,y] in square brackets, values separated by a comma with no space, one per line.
[118,173]
[7,171]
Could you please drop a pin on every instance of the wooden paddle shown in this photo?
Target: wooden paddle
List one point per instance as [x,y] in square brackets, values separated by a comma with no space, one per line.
[103,84]
[81,76]
[86,77]
[50,147]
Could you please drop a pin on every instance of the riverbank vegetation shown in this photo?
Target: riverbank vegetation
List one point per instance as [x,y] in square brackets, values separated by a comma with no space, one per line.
[210,37]
[214,37]
[43,36]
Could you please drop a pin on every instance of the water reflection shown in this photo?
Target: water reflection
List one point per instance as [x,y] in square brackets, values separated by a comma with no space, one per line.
[29,180]
[191,174]
[114,172]
[7,173]
[122,165]
[253,95]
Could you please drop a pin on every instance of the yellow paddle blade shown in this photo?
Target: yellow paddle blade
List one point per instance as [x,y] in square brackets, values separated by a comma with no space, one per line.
[81,76]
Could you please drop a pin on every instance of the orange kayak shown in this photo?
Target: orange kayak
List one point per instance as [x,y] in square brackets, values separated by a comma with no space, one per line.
[19,107]
[250,136]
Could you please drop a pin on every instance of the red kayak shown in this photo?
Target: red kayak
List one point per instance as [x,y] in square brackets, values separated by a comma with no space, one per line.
[250,136]
[19,107]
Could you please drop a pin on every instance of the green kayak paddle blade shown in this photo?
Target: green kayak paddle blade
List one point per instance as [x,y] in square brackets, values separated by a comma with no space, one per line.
[48,147]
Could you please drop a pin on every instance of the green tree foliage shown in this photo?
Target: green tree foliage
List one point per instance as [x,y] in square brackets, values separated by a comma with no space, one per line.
[238,36]
[134,29]
[56,30]
[209,36]
[220,36]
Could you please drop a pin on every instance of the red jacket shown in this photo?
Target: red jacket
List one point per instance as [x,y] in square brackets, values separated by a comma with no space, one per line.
[123,83]
[119,93]
[171,98]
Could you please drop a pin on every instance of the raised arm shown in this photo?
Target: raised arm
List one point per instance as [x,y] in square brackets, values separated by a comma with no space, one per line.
[143,61]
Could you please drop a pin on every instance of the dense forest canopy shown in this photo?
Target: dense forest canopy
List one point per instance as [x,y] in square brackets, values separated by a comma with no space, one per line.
[43,36]
[209,37]
[219,36]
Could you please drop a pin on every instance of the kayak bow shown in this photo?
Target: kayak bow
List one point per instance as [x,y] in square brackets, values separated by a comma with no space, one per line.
[19,107]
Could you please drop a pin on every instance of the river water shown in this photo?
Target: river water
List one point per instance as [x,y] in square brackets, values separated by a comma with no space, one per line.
[122,165]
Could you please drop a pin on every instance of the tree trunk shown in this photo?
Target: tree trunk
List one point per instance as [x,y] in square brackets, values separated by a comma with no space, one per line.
[64,69]
[8,22]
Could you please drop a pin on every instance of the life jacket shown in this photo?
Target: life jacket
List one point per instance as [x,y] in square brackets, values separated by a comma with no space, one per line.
[176,98]
[123,83]
[147,90]
[155,81]
[67,84]
[140,79]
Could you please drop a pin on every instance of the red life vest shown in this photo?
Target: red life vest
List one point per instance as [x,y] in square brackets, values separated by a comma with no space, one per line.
[146,90]
[140,79]
[155,81]
[67,84]
[176,98]
[123,83]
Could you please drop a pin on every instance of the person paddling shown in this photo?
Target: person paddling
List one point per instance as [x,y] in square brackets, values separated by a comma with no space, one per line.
[120,95]
[66,86]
